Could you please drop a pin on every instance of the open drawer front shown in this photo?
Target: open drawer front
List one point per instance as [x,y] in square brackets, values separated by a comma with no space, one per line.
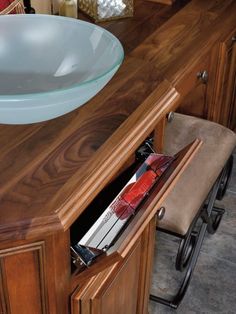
[144,214]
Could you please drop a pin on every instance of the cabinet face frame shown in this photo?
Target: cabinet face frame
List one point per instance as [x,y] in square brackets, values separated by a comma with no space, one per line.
[231,91]
[222,91]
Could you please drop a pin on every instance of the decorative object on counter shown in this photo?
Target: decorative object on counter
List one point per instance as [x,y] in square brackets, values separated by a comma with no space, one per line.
[46,85]
[103,10]
[11,7]
[68,8]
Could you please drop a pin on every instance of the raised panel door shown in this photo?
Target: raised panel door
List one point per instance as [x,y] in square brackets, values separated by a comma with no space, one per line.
[123,288]
[194,103]
[222,97]
[22,279]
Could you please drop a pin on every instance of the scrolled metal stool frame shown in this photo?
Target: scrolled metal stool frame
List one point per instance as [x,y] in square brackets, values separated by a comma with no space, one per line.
[190,244]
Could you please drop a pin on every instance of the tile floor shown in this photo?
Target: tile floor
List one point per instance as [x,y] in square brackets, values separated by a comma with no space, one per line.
[213,286]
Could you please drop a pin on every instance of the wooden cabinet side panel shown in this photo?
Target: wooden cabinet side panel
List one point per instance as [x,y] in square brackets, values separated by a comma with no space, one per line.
[23,280]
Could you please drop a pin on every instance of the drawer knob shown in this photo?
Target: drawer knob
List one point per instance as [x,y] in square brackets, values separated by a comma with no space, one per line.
[170,116]
[203,76]
[234,39]
[161,213]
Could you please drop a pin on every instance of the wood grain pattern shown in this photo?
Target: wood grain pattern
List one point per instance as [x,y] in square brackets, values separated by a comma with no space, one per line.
[35,189]
[45,168]
[51,171]
[186,31]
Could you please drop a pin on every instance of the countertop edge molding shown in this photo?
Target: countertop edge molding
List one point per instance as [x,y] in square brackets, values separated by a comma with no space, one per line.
[90,179]
[105,163]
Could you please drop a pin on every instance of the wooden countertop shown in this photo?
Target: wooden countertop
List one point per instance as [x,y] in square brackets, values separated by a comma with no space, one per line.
[50,171]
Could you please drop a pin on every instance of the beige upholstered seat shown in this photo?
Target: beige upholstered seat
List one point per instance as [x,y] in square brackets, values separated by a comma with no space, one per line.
[197,180]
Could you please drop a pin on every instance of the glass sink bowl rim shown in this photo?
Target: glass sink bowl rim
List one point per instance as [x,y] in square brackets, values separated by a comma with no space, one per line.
[74,86]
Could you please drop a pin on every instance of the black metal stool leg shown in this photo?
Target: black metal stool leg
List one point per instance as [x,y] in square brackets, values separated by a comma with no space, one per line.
[226,174]
[206,220]
[216,217]
[186,247]
[174,303]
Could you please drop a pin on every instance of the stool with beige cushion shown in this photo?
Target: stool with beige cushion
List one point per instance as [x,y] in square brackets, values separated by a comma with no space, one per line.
[193,198]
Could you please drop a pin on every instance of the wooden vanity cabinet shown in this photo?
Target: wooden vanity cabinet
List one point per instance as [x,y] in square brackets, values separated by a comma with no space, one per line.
[35,268]
[52,171]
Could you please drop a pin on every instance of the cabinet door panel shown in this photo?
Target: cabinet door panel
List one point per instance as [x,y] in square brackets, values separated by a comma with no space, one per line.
[124,288]
[194,102]
[112,291]
[227,83]
[119,294]
[222,97]
[26,264]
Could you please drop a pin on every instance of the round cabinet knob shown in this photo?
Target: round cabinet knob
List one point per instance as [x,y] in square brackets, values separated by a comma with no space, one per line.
[234,39]
[161,213]
[203,76]
[170,116]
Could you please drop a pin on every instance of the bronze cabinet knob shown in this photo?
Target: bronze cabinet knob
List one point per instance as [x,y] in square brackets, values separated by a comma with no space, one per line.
[203,76]
[170,116]
[161,213]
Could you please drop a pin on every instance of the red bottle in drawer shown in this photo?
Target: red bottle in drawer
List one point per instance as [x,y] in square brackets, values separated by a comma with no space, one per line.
[113,219]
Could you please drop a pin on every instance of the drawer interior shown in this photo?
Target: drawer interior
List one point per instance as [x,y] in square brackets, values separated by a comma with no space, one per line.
[146,211]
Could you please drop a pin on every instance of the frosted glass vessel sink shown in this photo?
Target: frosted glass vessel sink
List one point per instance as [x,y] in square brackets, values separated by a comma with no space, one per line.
[50,65]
